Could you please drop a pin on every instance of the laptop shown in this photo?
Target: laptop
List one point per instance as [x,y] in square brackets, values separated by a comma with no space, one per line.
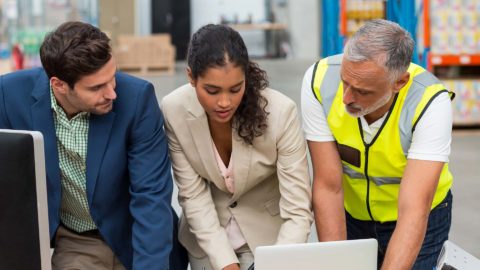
[337,255]
[24,235]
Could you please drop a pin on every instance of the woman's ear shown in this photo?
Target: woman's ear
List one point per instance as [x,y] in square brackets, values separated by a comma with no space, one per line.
[190,76]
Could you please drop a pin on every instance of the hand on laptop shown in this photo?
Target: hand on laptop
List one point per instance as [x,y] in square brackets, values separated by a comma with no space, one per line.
[233,266]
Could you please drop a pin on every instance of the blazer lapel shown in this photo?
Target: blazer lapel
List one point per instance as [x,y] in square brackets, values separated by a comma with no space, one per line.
[98,135]
[242,157]
[42,117]
[200,133]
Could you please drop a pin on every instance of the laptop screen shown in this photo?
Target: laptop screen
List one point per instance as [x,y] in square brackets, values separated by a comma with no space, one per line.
[24,236]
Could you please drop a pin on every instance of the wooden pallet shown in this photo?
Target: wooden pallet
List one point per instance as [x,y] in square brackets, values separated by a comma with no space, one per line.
[147,70]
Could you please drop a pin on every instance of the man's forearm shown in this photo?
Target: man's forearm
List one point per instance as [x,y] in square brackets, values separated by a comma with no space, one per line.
[329,215]
[417,190]
[406,242]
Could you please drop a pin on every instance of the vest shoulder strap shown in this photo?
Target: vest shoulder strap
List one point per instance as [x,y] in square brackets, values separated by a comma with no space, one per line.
[326,80]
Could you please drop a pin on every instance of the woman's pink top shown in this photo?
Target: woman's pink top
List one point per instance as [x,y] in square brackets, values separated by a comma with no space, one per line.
[234,233]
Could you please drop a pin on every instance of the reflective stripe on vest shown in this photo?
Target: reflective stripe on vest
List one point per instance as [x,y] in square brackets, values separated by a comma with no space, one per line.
[383,161]
[377,180]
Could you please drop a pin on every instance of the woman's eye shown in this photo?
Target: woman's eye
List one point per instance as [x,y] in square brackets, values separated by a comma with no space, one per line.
[211,91]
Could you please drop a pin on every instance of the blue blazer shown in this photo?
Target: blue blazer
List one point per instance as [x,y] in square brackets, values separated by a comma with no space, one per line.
[129,185]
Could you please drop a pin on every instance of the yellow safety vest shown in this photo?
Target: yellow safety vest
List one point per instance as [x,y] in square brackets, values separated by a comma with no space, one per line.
[372,172]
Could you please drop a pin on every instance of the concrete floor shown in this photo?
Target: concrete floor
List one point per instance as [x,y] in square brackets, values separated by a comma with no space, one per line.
[286,76]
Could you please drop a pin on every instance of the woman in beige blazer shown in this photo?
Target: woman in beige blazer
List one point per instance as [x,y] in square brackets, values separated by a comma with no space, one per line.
[238,155]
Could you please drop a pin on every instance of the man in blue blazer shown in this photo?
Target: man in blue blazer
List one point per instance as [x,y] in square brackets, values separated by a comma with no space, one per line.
[108,171]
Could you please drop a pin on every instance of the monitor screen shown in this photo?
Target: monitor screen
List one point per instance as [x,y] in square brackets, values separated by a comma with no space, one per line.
[24,236]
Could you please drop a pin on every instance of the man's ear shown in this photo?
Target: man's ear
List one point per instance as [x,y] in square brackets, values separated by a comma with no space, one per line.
[401,82]
[58,85]
[190,77]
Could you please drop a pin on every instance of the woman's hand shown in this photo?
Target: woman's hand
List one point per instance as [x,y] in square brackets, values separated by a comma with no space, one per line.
[233,266]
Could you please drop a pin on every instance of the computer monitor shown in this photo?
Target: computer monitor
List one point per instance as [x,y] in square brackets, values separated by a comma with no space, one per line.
[24,235]
[338,255]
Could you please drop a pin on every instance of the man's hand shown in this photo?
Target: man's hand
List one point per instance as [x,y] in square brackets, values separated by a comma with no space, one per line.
[233,266]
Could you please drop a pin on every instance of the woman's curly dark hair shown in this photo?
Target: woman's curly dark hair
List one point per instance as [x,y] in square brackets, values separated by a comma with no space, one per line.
[214,45]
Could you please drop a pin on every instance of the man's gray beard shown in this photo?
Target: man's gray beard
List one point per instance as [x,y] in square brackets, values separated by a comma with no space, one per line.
[380,103]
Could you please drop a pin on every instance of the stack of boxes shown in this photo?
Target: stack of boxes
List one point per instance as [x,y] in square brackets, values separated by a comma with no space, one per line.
[455,30]
[455,26]
[145,55]
[466,105]
[357,12]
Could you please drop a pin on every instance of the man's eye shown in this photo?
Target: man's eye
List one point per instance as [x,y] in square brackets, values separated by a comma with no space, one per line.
[363,93]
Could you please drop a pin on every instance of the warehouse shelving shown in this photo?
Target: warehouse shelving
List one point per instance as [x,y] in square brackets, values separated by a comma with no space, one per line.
[452,52]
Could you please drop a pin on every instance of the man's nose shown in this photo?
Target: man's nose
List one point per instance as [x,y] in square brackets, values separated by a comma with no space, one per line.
[110,92]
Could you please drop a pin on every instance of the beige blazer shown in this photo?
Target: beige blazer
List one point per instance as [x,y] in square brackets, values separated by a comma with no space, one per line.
[272,199]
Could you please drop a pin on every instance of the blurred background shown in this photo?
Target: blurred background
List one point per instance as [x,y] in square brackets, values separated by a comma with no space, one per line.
[150,38]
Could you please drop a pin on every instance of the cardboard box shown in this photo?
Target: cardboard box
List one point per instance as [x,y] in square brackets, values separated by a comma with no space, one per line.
[145,55]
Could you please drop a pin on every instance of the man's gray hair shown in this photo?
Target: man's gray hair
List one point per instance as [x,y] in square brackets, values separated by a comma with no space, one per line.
[384,42]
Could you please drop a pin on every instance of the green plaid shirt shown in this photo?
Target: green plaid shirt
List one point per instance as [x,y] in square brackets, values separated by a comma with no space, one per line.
[72,141]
